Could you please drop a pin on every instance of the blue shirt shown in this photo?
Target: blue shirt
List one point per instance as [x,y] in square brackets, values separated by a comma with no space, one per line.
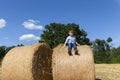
[71,39]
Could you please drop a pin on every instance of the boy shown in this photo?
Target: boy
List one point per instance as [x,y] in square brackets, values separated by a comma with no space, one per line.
[71,41]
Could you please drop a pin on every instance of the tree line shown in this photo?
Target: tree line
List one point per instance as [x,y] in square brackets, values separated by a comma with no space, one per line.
[56,33]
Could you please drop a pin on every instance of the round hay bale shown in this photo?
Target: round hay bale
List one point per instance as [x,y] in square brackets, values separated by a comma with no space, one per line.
[76,67]
[28,63]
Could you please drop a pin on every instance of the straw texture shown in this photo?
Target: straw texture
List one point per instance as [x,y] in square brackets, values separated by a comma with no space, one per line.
[76,67]
[28,63]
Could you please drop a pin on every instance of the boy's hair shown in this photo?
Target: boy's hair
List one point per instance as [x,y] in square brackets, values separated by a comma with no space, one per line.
[71,31]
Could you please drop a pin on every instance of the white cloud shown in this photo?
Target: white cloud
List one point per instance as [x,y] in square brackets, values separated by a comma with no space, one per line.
[32,24]
[29,37]
[2,23]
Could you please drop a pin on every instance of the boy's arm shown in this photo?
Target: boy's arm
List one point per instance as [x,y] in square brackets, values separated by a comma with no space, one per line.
[77,43]
[65,43]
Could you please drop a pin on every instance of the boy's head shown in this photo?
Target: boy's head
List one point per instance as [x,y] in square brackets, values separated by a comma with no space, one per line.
[71,32]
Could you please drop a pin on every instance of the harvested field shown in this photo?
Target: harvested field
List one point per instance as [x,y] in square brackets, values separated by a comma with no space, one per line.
[0,74]
[107,71]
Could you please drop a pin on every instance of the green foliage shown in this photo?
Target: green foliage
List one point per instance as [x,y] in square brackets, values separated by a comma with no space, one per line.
[104,53]
[101,45]
[56,33]
[2,52]
[109,39]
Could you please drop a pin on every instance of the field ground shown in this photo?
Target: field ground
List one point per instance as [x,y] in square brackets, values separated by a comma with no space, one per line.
[105,71]
[0,73]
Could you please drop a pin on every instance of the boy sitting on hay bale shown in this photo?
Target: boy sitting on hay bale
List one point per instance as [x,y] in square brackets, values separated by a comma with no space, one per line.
[71,41]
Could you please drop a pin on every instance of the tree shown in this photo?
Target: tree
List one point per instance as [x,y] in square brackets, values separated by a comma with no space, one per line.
[102,50]
[115,55]
[109,40]
[2,52]
[56,33]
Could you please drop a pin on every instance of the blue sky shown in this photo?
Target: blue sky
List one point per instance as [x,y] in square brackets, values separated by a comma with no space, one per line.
[23,21]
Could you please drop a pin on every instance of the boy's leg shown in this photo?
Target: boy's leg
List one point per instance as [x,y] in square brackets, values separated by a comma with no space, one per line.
[75,48]
[69,48]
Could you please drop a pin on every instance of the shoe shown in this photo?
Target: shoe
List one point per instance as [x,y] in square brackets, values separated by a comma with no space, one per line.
[69,52]
[76,53]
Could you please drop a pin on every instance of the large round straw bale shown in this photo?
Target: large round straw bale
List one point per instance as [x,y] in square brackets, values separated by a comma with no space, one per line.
[28,63]
[76,67]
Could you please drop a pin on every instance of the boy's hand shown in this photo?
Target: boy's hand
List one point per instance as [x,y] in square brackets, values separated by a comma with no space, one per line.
[78,44]
[64,45]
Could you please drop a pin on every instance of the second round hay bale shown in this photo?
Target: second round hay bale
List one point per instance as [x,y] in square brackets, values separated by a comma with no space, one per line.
[28,63]
[76,67]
